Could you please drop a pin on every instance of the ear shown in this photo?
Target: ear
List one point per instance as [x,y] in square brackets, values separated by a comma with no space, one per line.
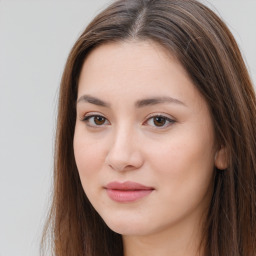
[221,158]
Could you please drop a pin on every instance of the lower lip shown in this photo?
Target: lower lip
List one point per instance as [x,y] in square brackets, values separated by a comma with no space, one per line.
[124,196]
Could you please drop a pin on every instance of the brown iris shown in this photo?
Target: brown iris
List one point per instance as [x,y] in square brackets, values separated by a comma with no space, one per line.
[159,121]
[99,120]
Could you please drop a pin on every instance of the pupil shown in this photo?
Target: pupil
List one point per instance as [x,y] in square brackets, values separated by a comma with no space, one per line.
[159,121]
[99,120]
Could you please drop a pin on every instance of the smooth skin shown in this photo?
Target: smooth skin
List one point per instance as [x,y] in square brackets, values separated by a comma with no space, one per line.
[141,119]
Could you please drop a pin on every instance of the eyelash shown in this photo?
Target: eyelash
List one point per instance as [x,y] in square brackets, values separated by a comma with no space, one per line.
[87,119]
[167,121]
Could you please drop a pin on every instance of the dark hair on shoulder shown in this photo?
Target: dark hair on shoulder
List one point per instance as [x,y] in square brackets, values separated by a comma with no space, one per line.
[205,47]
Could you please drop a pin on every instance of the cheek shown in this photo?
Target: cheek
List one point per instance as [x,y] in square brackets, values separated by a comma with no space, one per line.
[184,165]
[89,155]
[181,152]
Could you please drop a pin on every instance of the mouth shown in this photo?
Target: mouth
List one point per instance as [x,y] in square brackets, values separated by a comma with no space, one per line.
[127,191]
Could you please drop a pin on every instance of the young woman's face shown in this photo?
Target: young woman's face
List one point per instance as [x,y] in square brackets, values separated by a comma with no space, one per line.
[144,140]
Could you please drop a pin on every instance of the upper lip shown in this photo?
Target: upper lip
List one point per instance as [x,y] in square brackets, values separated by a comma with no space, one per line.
[128,185]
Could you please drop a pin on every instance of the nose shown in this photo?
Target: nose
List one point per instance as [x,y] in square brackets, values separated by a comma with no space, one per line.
[124,153]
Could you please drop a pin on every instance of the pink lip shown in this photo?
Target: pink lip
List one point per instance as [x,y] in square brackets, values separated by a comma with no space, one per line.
[127,191]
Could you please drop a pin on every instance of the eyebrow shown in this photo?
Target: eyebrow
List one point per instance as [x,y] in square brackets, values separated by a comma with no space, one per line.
[138,104]
[157,100]
[93,100]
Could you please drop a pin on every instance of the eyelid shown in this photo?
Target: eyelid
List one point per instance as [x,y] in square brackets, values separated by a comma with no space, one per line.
[89,114]
[86,117]
[169,118]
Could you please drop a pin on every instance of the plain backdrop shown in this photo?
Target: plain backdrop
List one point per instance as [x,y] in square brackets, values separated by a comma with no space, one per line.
[35,39]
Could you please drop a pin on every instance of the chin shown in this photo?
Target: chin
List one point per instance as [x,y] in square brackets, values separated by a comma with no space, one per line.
[128,227]
[128,230]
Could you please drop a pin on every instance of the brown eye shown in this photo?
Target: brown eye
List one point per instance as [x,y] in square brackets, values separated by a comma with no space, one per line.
[99,120]
[159,121]
[95,120]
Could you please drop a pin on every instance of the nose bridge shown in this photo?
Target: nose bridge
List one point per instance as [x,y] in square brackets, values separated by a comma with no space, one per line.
[123,135]
[124,152]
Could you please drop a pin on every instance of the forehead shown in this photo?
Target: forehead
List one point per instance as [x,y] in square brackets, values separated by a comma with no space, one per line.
[137,68]
[137,51]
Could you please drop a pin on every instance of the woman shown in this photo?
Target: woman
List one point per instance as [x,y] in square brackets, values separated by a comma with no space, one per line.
[155,146]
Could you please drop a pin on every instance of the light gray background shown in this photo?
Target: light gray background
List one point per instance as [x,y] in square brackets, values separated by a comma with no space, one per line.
[35,39]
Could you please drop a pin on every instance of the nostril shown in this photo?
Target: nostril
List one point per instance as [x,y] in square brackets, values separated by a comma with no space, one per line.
[119,165]
[124,156]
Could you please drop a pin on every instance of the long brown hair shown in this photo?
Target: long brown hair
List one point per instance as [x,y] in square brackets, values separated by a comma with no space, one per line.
[207,50]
